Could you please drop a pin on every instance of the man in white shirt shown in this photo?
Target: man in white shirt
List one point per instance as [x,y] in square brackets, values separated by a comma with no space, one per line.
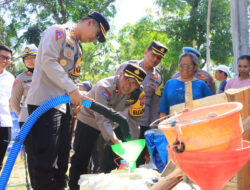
[6,82]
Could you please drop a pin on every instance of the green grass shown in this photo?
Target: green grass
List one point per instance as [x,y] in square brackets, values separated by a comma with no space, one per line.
[17,177]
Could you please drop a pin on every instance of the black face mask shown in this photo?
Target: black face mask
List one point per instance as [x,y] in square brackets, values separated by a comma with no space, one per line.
[30,69]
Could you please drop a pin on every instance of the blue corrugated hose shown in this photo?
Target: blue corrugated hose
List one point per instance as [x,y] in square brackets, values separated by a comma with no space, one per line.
[25,130]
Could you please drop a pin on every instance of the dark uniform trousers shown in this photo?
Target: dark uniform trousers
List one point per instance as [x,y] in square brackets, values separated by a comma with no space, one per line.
[85,139]
[47,147]
[5,136]
[84,145]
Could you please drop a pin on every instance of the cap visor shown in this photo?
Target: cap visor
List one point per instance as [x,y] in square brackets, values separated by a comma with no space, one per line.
[156,53]
[131,76]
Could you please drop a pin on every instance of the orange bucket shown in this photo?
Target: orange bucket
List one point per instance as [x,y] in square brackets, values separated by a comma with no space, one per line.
[212,128]
[211,170]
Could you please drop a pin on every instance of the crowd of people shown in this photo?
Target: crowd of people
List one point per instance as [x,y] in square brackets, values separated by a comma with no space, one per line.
[136,91]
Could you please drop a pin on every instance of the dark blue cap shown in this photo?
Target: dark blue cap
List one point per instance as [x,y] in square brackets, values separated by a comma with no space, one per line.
[103,24]
[191,50]
[87,85]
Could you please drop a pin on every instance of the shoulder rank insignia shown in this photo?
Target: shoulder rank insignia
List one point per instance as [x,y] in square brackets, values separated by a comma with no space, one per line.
[59,35]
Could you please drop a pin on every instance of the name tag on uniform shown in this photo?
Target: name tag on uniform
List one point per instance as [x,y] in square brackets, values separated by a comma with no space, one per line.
[68,45]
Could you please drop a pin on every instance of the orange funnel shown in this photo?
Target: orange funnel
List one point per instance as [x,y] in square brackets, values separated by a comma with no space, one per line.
[212,128]
[211,170]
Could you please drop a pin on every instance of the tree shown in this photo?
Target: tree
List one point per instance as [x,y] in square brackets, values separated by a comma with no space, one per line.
[180,23]
[34,16]
[190,17]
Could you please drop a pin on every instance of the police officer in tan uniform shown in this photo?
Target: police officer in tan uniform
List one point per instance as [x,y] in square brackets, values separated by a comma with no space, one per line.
[199,74]
[152,84]
[56,73]
[115,93]
[22,83]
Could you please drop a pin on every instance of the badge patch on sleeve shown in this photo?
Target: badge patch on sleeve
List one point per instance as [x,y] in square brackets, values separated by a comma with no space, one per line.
[15,83]
[142,100]
[59,35]
[107,94]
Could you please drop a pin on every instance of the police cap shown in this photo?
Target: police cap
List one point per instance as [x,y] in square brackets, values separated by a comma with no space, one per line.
[103,24]
[135,72]
[191,50]
[158,48]
[29,49]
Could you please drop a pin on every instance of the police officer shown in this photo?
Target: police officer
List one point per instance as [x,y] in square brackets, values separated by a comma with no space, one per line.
[199,74]
[152,84]
[22,83]
[114,92]
[56,73]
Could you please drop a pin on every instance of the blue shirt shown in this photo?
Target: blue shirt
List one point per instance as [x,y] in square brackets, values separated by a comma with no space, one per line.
[222,87]
[174,93]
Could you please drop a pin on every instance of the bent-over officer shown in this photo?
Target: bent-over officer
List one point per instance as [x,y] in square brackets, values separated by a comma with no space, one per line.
[114,92]
[199,73]
[152,85]
[22,83]
[56,73]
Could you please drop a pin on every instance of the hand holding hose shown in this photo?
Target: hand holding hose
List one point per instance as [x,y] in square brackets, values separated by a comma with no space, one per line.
[76,97]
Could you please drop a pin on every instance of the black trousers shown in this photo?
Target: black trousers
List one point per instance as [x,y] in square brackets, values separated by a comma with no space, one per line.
[5,137]
[47,148]
[141,159]
[85,140]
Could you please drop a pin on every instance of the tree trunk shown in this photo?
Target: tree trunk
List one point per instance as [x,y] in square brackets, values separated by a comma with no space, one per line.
[239,20]
[208,34]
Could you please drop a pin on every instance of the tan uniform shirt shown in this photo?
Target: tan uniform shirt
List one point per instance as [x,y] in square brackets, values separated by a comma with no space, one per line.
[151,85]
[19,93]
[57,65]
[106,92]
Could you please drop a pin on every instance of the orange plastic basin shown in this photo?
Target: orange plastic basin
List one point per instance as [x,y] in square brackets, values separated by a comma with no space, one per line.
[200,131]
[211,170]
